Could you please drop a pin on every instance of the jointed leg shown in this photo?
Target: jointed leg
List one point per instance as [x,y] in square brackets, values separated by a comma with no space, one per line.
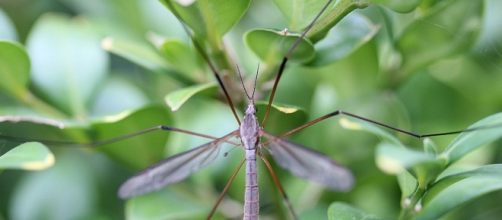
[279,186]
[227,186]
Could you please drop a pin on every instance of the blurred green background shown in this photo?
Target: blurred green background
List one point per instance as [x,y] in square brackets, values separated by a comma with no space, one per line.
[105,68]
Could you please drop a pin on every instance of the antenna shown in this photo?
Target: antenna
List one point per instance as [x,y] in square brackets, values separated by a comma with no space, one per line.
[242,83]
[255,80]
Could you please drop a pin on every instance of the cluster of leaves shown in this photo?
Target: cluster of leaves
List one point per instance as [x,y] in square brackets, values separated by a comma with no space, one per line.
[412,62]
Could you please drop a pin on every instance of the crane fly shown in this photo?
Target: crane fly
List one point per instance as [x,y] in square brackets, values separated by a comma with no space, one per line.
[299,160]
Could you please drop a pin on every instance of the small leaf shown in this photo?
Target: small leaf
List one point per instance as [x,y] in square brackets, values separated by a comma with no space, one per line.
[73,176]
[75,66]
[430,147]
[288,109]
[365,126]
[177,98]
[14,68]
[490,129]
[181,57]
[458,193]
[7,30]
[138,53]
[299,13]
[167,204]
[270,46]
[27,156]
[346,37]
[139,151]
[211,18]
[492,170]
[339,210]
[394,159]
[451,27]
[407,184]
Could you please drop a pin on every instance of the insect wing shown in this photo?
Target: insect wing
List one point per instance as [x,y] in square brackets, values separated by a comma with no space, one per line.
[309,164]
[170,170]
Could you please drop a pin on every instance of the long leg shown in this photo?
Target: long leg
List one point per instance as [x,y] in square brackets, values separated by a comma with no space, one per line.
[201,51]
[279,186]
[112,140]
[285,60]
[410,133]
[227,186]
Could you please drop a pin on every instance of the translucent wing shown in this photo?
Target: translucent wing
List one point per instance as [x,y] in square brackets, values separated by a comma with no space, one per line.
[171,170]
[309,164]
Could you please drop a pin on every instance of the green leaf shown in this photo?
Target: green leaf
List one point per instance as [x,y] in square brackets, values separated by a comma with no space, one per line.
[139,151]
[346,37]
[374,129]
[285,108]
[394,159]
[72,177]
[407,184]
[27,156]
[460,192]
[301,12]
[177,98]
[399,5]
[181,57]
[270,46]
[451,26]
[177,203]
[14,68]
[494,170]
[211,18]
[469,141]
[7,30]
[339,210]
[68,62]
[136,52]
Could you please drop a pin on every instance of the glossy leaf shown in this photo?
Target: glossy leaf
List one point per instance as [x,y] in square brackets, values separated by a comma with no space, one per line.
[346,37]
[181,57]
[27,156]
[212,18]
[339,210]
[141,54]
[14,69]
[395,159]
[451,27]
[300,13]
[458,193]
[469,141]
[285,108]
[177,98]
[352,124]
[270,46]
[76,64]
[72,177]
[140,151]
[7,30]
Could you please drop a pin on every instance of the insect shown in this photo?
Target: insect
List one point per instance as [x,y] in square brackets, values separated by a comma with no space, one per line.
[295,158]
[308,165]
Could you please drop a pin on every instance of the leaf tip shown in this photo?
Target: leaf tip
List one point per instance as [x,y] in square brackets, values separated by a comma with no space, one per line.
[47,162]
[107,43]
